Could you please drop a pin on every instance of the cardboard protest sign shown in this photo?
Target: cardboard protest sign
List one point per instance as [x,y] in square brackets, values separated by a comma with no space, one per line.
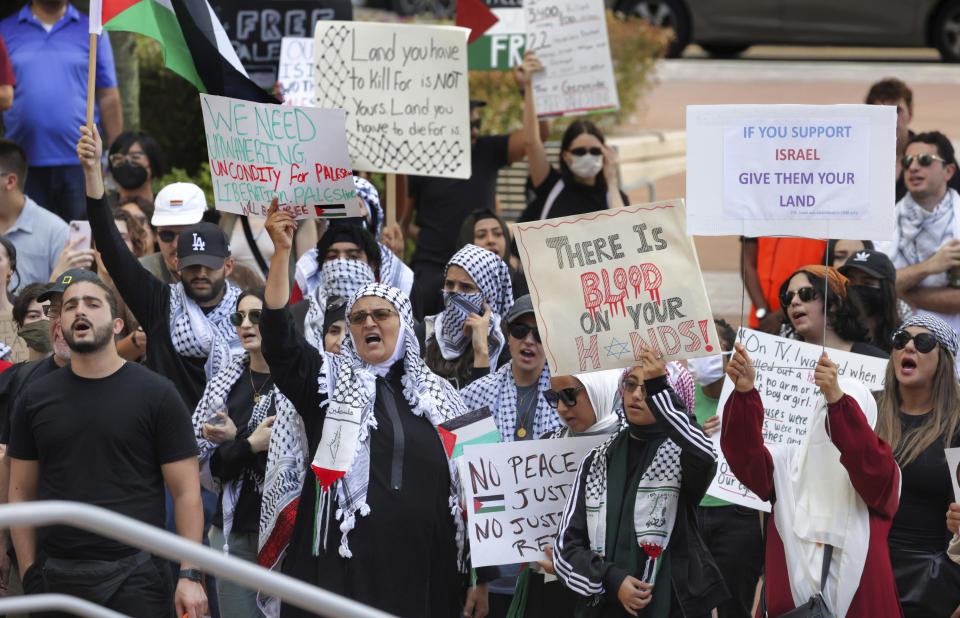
[295,73]
[570,39]
[820,171]
[296,154]
[953,463]
[605,283]
[785,383]
[404,89]
[515,494]
[476,427]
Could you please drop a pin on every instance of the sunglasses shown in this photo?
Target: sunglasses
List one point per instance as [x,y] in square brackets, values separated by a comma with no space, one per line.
[167,236]
[631,385]
[582,151]
[378,315]
[51,312]
[806,295]
[520,331]
[923,159]
[236,318]
[923,342]
[567,395]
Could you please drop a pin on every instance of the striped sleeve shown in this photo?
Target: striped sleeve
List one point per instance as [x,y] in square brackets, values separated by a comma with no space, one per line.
[679,424]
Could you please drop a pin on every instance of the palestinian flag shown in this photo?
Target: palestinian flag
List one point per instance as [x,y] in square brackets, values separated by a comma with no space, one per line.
[195,45]
[476,427]
[489,504]
[331,210]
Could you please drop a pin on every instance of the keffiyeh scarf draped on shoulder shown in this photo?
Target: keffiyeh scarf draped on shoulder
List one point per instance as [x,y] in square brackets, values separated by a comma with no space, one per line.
[338,277]
[217,390]
[492,277]
[499,391]
[196,334]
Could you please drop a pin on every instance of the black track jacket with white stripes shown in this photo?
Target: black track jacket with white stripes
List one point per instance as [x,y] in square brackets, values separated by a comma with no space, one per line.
[695,579]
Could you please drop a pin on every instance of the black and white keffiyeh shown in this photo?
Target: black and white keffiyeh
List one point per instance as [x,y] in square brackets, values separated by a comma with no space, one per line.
[339,277]
[945,335]
[371,197]
[492,276]
[498,391]
[196,334]
[217,391]
[393,271]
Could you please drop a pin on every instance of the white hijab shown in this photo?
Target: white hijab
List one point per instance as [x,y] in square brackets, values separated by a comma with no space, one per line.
[817,504]
[603,389]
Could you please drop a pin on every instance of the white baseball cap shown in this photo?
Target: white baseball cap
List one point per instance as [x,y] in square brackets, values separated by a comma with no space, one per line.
[180,203]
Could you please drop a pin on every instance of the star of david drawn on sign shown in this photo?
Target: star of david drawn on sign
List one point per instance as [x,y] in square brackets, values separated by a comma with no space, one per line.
[617,349]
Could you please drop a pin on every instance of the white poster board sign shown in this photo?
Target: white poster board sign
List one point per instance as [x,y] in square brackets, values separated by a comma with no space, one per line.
[259,151]
[404,88]
[953,463]
[570,39]
[606,283]
[295,72]
[785,383]
[515,494]
[820,171]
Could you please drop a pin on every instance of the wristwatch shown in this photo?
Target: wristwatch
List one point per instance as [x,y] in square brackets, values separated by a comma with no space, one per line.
[194,575]
[760,313]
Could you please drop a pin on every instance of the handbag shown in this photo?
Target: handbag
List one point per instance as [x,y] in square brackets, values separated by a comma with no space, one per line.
[928,582]
[815,607]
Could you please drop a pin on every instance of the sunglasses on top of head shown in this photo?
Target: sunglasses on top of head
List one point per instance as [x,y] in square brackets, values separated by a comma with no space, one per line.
[520,331]
[925,160]
[583,150]
[806,294]
[236,318]
[567,395]
[923,342]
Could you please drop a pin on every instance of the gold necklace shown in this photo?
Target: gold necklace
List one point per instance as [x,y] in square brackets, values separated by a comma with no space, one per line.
[256,391]
[521,431]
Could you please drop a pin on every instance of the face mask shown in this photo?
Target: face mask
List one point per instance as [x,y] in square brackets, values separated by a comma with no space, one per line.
[129,175]
[872,298]
[37,335]
[706,369]
[587,166]
[342,277]
[457,308]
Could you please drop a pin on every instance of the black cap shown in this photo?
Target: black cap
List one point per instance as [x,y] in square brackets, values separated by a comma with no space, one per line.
[477,103]
[521,307]
[63,281]
[202,244]
[874,263]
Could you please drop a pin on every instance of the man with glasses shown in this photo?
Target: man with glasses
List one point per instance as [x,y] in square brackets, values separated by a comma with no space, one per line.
[177,206]
[926,246]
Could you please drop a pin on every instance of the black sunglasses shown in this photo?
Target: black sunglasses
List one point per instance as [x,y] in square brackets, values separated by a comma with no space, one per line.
[167,235]
[236,318]
[582,151]
[567,395]
[924,160]
[806,295]
[520,331]
[923,342]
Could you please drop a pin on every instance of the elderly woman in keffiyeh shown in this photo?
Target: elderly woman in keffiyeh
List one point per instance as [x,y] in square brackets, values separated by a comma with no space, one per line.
[379,518]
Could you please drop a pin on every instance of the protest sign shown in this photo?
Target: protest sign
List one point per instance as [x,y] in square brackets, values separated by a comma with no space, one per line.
[476,427]
[606,283]
[296,70]
[785,383]
[501,46]
[404,88]
[953,463]
[296,154]
[820,171]
[570,39]
[515,494]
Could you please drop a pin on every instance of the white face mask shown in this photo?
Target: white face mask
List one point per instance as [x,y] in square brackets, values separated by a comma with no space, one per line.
[706,369]
[587,166]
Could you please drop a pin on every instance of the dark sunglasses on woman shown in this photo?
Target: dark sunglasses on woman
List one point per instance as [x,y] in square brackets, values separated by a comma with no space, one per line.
[923,342]
[925,160]
[167,236]
[236,318]
[567,395]
[378,315]
[519,331]
[580,151]
[806,295]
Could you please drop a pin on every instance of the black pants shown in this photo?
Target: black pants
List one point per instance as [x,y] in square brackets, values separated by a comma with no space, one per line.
[733,536]
[427,285]
[146,593]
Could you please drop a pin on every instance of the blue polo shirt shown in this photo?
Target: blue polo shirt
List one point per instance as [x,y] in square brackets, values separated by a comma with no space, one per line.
[39,236]
[50,99]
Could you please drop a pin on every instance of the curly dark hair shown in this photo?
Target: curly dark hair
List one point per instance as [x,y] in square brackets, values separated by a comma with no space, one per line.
[842,313]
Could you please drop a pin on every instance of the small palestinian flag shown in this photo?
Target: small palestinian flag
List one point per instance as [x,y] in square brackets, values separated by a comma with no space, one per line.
[331,210]
[476,427]
[489,504]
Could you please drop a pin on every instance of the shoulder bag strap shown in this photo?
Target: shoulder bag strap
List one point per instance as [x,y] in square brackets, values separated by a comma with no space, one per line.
[827,555]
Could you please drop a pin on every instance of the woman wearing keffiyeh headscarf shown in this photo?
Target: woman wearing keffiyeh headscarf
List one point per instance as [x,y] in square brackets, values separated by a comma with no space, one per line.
[378,516]
[466,338]
[628,540]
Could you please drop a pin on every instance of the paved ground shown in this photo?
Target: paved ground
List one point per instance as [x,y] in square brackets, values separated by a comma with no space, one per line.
[786,75]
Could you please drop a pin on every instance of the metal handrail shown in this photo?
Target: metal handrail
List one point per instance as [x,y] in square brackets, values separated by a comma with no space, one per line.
[162,543]
[55,602]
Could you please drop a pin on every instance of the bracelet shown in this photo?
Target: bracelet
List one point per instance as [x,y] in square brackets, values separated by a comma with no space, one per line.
[194,575]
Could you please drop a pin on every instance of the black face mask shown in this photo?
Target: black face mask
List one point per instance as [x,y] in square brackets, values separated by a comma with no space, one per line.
[129,175]
[872,298]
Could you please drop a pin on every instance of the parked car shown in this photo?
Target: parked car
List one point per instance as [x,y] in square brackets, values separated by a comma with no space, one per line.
[725,28]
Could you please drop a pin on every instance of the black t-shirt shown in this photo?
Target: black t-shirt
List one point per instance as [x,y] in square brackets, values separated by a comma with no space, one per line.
[232,457]
[101,442]
[573,199]
[925,495]
[443,203]
[862,347]
[12,383]
[149,300]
